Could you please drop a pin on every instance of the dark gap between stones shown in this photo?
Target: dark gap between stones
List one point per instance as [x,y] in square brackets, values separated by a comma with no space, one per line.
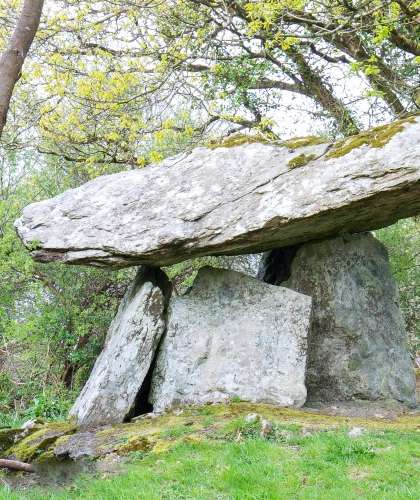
[277,266]
[141,404]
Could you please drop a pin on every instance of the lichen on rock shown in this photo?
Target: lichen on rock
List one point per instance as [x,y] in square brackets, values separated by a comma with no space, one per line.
[357,340]
[32,446]
[227,338]
[301,160]
[376,137]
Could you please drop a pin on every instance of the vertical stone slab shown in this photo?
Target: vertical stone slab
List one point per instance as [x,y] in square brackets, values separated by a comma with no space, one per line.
[122,366]
[233,336]
[357,341]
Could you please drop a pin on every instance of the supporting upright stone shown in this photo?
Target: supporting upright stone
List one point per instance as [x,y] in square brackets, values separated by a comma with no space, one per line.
[122,366]
[357,341]
[233,336]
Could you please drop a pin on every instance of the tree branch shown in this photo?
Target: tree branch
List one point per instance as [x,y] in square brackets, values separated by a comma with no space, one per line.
[15,465]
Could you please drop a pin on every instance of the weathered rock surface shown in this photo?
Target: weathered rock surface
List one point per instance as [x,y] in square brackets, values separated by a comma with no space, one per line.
[251,264]
[237,200]
[357,341]
[233,336]
[122,366]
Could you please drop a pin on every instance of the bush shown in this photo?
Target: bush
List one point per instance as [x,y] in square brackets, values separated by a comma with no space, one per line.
[403,243]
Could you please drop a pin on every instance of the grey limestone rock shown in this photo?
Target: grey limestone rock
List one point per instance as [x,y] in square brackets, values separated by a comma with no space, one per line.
[231,200]
[122,366]
[251,264]
[357,341]
[233,336]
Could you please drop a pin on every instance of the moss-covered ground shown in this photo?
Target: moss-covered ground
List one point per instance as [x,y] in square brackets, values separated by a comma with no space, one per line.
[212,452]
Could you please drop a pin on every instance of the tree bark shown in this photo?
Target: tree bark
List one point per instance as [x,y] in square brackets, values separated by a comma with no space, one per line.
[319,91]
[15,465]
[12,60]
[352,45]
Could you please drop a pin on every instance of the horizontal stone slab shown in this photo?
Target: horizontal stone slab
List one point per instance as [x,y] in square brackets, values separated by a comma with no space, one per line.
[232,200]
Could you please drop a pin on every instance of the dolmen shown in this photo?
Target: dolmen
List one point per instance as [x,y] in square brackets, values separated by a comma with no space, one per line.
[304,309]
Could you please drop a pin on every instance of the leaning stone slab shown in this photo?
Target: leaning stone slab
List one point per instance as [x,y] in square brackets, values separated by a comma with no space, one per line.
[233,336]
[121,368]
[357,345]
[232,200]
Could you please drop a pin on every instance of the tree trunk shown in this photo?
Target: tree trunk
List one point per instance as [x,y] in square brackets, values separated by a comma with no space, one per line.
[13,57]
[317,89]
[352,45]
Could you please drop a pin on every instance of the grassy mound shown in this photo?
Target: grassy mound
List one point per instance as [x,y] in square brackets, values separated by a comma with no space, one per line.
[222,452]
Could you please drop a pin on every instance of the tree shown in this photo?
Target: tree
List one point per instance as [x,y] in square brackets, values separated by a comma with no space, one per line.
[12,60]
[119,80]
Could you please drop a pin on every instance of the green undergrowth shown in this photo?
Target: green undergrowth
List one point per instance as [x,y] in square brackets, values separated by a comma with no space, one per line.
[214,452]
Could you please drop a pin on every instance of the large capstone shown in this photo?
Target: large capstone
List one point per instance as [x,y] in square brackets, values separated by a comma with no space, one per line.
[357,341]
[233,336]
[120,370]
[232,200]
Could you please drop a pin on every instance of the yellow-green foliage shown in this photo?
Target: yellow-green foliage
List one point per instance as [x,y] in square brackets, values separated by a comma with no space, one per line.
[300,160]
[376,137]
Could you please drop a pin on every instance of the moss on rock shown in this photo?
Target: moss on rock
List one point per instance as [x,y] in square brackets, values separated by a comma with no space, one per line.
[160,434]
[302,142]
[136,443]
[301,160]
[35,444]
[8,437]
[376,137]
[238,140]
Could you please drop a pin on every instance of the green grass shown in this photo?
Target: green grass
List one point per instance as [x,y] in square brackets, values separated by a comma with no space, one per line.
[291,463]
